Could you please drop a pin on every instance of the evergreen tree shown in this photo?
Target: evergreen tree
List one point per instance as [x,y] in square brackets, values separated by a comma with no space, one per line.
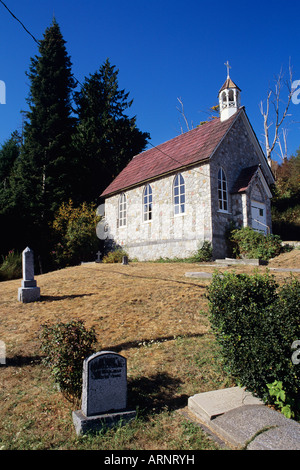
[46,172]
[9,154]
[106,137]
[45,175]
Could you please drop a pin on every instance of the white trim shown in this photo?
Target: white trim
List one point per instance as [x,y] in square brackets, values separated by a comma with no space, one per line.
[119,211]
[221,200]
[149,219]
[265,184]
[180,212]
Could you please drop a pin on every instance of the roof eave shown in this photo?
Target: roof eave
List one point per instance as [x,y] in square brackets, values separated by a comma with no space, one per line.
[162,175]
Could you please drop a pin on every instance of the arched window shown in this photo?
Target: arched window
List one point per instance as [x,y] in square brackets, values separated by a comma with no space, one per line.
[122,210]
[222,191]
[147,201]
[179,194]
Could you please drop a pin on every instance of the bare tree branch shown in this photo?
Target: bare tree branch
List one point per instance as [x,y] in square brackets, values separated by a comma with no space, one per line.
[283,152]
[274,97]
[181,110]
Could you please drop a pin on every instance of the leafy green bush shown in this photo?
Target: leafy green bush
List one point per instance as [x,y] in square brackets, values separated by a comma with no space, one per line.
[249,243]
[65,346]
[114,256]
[74,228]
[256,322]
[11,267]
[204,252]
[280,399]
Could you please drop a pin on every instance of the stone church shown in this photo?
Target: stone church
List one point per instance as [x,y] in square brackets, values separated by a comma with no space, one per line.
[170,199]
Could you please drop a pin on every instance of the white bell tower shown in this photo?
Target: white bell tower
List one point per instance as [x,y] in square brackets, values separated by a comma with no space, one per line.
[229,97]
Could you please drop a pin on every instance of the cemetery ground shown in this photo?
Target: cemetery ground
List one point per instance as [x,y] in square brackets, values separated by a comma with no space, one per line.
[148,312]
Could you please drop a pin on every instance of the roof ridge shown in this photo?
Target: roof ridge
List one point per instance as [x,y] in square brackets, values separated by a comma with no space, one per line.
[179,136]
[181,151]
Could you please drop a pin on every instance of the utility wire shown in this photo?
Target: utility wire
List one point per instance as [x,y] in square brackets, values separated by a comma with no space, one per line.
[30,34]
[17,19]
[197,170]
[38,42]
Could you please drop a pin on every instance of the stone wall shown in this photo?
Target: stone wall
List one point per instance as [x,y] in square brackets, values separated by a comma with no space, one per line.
[166,235]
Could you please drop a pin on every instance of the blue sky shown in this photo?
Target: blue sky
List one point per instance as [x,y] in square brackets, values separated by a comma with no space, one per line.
[164,50]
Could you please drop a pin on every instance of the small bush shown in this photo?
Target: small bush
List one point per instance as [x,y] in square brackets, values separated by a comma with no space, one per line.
[249,243]
[255,323]
[204,252]
[114,256]
[11,267]
[74,229]
[65,346]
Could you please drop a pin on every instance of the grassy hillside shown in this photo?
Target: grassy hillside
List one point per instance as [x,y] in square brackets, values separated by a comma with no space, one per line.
[151,314]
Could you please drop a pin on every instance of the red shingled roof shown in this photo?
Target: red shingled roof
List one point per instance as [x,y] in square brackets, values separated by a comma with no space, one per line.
[184,150]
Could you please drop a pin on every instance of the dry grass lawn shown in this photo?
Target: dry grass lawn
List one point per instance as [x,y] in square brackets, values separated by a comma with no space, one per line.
[150,313]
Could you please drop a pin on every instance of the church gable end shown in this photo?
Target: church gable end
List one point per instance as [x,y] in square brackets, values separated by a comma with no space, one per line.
[239,158]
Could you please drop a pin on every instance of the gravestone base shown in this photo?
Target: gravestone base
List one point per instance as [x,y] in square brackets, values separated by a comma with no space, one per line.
[84,424]
[29,294]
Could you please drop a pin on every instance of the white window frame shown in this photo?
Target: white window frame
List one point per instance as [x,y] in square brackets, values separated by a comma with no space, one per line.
[122,211]
[179,195]
[147,203]
[222,191]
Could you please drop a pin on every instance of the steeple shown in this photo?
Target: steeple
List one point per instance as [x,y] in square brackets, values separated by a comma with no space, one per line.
[229,97]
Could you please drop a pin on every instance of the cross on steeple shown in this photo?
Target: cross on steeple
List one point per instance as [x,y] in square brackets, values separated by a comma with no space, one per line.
[228,67]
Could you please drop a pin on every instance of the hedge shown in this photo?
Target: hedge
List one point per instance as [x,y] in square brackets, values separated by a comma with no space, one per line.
[255,323]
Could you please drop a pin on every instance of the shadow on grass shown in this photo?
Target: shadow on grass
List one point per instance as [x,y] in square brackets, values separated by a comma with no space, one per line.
[20,361]
[201,286]
[52,298]
[144,342]
[155,393]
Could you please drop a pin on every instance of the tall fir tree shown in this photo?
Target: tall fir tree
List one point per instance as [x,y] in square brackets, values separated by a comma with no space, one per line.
[47,161]
[9,156]
[106,138]
[45,175]
[9,153]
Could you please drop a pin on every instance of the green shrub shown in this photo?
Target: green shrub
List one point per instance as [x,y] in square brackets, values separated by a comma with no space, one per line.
[11,267]
[249,243]
[74,229]
[204,252]
[65,346]
[256,322]
[114,256]
[280,399]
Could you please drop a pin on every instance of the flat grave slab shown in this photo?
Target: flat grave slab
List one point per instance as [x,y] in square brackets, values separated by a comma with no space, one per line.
[201,275]
[208,405]
[256,427]
[243,421]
